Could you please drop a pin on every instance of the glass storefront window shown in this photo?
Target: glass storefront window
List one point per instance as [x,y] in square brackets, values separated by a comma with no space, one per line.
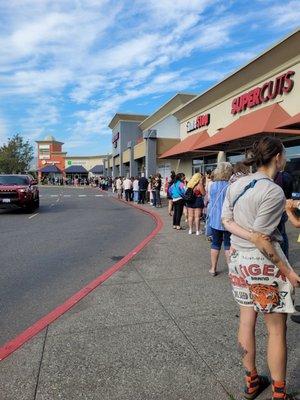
[293,152]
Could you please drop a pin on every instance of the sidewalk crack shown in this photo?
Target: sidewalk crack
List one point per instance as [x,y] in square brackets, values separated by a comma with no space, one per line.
[40,366]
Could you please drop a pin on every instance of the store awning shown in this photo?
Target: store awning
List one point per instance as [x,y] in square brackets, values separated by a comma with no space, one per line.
[97,169]
[241,133]
[291,123]
[186,146]
[50,169]
[76,169]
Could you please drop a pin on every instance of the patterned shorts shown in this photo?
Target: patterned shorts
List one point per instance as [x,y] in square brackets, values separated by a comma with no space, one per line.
[257,283]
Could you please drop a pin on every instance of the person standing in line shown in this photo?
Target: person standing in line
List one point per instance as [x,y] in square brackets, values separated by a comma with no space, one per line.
[285,181]
[169,197]
[177,191]
[216,197]
[291,207]
[143,186]
[119,184]
[157,189]
[127,185]
[195,207]
[135,187]
[131,190]
[261,276]
[150,190]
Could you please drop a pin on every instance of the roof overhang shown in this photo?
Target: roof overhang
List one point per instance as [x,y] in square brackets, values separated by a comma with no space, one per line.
[291,123]
[126,117]
[187,147]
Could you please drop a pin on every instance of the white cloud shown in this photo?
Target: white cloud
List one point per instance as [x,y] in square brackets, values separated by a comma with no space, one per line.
[93,56]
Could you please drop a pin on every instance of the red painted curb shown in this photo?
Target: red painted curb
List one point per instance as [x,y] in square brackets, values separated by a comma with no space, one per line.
[11,346]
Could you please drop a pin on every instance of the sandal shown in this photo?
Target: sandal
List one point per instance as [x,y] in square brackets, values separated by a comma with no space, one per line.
[213,273]
[264,382]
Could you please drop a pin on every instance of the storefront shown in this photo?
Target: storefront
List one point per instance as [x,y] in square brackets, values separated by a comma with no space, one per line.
[125,134]
[262,98]
[76,172]
[137,148]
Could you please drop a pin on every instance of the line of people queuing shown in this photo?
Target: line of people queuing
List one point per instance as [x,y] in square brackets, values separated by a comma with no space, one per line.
[245,210]
[140,190]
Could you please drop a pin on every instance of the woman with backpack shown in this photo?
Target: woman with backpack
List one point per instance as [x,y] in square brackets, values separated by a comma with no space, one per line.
[177,191]
[261,277]
[194,201]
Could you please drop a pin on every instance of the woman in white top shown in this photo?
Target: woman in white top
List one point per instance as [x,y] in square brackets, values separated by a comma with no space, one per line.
[262,279]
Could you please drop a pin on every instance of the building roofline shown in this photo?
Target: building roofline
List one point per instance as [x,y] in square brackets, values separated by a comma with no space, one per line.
[96,156]
[49,141]
[167,109]
[231,75]
[126,117]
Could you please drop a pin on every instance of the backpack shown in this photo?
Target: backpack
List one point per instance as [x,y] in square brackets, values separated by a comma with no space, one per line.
[189,196]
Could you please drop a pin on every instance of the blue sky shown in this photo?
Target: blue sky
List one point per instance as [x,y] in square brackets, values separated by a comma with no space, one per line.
[66,67]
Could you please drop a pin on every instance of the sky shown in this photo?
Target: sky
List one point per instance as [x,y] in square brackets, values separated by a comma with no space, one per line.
[67,66]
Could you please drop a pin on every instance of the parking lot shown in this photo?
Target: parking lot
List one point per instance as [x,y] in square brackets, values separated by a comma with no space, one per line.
[49,254]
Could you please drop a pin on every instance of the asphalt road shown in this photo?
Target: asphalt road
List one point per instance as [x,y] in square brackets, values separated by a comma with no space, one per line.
[47,256]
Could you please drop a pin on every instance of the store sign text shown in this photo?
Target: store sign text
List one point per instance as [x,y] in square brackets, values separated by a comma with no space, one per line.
[115,139]
[262,94]
[199,122]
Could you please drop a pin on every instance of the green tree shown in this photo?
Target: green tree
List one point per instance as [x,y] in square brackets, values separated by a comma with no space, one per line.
[16,155]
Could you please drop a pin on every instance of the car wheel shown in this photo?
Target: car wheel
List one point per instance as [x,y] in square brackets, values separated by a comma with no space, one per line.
[31,207]
[37,203]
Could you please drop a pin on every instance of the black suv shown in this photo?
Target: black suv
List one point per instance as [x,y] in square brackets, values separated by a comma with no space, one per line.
[19,191]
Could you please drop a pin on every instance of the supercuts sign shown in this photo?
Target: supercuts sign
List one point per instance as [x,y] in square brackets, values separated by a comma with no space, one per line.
[262,94]
[199,122]
[115,139]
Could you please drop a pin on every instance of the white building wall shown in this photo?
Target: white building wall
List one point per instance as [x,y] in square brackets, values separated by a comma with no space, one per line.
[168,128]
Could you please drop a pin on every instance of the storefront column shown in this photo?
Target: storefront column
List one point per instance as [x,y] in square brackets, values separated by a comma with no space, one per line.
[122,167]
[133,164]
[114,168]
[221,157]
[151,152]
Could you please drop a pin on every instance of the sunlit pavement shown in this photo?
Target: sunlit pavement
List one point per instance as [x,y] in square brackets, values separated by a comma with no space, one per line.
[160,329]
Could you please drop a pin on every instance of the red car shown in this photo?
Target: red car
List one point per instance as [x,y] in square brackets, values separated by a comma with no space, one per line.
[19,191]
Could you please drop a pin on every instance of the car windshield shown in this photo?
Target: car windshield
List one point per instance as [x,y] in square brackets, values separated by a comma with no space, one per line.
[13,180]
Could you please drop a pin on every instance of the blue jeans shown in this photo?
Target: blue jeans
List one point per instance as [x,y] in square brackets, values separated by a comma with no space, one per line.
[135,196]
[219,237]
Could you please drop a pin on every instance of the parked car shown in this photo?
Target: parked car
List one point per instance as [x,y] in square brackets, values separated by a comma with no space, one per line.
[19,191]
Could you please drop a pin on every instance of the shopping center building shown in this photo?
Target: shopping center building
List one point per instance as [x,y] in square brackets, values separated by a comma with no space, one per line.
[54,162]
[138,141]
[261,98]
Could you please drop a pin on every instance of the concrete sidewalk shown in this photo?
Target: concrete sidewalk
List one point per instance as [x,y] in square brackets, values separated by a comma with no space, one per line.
[160,329]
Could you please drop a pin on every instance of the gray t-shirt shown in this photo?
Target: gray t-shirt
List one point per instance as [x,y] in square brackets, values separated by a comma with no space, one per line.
[260,208]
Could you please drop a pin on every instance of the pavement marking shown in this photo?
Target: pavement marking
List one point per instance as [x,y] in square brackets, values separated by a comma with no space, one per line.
[99,195]
[67,195]
[82,195]
[32,216]
[53,195]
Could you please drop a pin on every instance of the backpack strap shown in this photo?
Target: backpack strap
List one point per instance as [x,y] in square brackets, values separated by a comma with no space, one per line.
[247,187]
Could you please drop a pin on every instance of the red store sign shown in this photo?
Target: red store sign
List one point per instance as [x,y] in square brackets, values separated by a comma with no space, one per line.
[268,91]
[199,122]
